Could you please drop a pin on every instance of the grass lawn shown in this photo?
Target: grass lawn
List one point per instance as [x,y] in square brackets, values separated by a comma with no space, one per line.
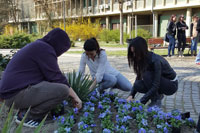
[162,52]
[103,44]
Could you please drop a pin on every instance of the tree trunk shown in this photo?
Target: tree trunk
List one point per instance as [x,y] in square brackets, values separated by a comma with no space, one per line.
[121,24]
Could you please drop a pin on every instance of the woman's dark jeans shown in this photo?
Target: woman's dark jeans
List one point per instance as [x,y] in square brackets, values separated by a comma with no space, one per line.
[167,86]
[171,46]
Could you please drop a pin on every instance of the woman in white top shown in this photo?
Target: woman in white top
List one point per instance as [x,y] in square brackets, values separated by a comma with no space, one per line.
[100,69]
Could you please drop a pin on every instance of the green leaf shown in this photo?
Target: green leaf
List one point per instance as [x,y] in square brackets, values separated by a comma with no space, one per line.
[8,120]
[2,107]
[19,128]
[80,84]
[37,130]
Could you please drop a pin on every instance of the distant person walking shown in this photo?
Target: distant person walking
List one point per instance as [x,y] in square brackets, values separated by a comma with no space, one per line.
[198,37]
[193,34]
[171,32]
[181,27]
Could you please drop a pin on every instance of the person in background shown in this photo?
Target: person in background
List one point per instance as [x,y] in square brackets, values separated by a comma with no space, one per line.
[171,32]
[33,78]
[193,34]
[100,69]
[181,27]
[155,76]
[198,38]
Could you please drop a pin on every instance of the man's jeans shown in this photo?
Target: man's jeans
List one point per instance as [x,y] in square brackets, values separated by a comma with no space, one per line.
[194,45]
[42,98]
[111,81]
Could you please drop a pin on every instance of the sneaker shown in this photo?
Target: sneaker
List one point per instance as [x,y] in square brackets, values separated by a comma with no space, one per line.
[28,122]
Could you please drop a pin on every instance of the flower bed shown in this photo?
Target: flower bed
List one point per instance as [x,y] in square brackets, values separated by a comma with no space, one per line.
[109,114]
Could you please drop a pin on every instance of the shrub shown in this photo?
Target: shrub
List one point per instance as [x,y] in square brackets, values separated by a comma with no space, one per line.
[142,33]
[111,35]
[17,40]
[83,29]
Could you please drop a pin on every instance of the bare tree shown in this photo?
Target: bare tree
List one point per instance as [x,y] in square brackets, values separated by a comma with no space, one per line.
[121,21]
[4,13]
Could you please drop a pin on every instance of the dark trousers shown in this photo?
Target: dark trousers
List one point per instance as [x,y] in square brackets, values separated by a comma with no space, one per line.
[181,42]
[166,87]
[42,98]
[198,124]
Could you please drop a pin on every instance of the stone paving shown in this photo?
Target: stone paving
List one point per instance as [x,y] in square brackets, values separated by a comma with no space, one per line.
[185,99]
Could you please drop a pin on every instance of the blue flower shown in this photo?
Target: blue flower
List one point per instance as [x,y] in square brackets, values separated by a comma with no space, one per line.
[85,126]
[166,123]
[123,128]
[151,131]
[155,116]
[144,122]
[142,130]
[86,114]
[140,108]
[102,115]
[65,103]
[92,98]
[127,106]
[159,126]
[92,109]
[134,109]
[190,120]
[72,117]
[80,124]
[121,101]
[67,129]
[93,125]
[165,130]
[63,120]
[54,117]
[106,130]
[75,110]
[100,106]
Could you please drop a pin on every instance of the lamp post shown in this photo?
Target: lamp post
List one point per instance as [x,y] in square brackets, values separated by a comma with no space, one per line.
[121,21]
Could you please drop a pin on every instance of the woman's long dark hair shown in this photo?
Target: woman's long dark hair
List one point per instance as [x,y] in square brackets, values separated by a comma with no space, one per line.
[138,58]
[92,44]
[172,16]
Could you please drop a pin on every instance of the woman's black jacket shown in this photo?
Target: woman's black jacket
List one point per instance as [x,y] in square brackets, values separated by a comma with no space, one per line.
[160,67]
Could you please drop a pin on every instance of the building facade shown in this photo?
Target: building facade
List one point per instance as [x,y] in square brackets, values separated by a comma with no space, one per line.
[152,15]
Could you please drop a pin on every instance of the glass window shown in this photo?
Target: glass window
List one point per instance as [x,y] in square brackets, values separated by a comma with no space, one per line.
[90,3]
[84,3]
[95,2]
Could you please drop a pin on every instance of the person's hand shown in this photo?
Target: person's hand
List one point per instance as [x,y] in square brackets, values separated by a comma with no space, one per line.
[191,38]
[130,98]
[77,102]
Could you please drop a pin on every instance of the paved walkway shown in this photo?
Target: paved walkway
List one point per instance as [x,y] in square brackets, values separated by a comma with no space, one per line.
[185,99]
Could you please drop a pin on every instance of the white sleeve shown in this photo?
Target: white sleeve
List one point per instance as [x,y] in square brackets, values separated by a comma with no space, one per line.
[82,64]
[101,67]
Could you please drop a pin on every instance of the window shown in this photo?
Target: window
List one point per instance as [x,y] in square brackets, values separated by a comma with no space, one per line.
[90,3]
[95,2]
[101,2]
[84,3]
